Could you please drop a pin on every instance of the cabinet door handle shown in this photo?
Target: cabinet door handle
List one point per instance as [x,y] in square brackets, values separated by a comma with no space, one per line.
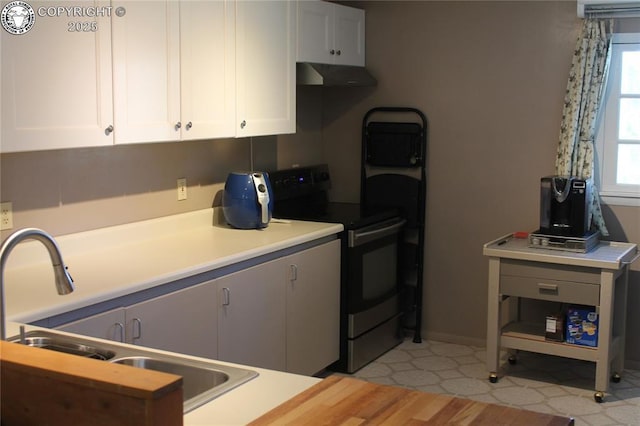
[226,295]
[294,272]
[189,125]
[137,326]
[178,125]
[338,52]
[108,130]
[548,288]
[243,124]
[332,52]
[119,326]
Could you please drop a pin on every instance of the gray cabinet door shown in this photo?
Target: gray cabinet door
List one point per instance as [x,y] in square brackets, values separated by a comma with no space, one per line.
[251,316]
[184,321]
[313,308]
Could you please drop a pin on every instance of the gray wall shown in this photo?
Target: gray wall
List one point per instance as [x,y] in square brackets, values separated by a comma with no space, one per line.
[491,78]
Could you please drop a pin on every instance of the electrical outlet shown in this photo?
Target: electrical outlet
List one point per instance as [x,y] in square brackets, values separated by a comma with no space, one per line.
[6,215]
[182,189]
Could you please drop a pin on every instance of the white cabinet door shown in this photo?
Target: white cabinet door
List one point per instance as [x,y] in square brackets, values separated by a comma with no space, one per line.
[266,69]
[184,321]
[349,36]
[108,325]
[207,73]
[315,32]
[251,318]
[56,83]
[146,71]
[330,33]
[313,308]
[174,71]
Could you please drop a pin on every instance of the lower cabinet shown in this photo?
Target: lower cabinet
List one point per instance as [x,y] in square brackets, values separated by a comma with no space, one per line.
[108,325]
[183,321]
[251,316]
[283,315]
[313,309]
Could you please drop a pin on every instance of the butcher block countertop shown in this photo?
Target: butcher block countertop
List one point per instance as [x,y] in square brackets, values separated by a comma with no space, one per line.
[345,401]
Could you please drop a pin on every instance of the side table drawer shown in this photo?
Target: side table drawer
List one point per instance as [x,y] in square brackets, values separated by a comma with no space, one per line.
[544,289]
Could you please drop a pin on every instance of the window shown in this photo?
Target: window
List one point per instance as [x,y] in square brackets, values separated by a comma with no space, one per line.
[618,138]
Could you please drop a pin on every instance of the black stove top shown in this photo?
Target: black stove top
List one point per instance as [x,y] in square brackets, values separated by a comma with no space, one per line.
[301,194]
[353,215]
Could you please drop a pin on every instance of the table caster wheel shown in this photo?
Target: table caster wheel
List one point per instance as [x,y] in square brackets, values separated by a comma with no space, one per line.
[493,378]
[598,396]
[615,378]
[513,360]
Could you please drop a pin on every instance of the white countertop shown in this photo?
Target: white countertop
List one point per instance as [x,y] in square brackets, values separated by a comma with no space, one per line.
[120,260]
[116,261]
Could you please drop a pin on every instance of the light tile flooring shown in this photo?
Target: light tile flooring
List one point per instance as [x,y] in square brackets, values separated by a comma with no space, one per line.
[536,382]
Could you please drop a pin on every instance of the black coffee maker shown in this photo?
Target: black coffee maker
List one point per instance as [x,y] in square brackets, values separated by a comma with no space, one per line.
[564,206]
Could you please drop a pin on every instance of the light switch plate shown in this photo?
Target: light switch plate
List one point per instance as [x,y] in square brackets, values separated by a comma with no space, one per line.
[182,189]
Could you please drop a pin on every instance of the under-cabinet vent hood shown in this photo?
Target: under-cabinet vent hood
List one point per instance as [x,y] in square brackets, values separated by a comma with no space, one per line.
[333,75]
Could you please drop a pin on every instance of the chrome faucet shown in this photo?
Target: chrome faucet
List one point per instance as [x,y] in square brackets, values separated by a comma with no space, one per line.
[64,282]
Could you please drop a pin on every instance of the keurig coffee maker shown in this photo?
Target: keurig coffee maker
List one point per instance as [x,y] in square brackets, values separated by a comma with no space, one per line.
[564,206]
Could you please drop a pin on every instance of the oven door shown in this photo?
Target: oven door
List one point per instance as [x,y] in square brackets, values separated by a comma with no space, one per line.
[372,263]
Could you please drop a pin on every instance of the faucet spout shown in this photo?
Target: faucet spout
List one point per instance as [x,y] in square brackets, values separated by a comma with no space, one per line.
[64,282]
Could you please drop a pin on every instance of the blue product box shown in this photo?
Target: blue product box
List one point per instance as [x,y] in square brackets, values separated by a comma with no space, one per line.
[582,326]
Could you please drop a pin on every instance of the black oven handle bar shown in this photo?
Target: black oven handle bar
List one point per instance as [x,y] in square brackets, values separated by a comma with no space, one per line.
[367,234]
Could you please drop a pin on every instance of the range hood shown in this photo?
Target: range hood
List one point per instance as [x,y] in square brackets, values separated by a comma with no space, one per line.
[333,75]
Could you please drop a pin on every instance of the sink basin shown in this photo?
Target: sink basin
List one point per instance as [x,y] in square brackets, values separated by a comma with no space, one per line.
[202,380]
[62,344]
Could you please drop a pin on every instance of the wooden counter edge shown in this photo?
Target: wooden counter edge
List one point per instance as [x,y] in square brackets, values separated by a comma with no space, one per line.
[39,383]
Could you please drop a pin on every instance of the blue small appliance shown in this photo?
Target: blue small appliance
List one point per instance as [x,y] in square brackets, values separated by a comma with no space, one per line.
[247,200]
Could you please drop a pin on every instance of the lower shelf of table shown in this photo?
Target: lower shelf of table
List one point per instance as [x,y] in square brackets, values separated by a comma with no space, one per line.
[528,337]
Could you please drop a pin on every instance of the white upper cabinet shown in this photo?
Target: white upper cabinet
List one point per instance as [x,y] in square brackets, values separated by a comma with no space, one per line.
[208,73]
[146,71]
[266,69]
[174,71]
[330,33]
[56,82]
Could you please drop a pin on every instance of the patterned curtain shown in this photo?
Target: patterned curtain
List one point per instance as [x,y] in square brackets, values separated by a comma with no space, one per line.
[585,89]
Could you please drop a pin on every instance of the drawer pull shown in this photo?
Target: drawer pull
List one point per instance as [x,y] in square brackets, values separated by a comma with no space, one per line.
[548,288]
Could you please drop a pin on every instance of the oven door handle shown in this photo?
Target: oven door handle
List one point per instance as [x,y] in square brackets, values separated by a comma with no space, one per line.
[357,238]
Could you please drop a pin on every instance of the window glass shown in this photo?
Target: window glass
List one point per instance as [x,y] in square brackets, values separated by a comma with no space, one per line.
[630,73]
[628,161]
[618,140]
[629,125]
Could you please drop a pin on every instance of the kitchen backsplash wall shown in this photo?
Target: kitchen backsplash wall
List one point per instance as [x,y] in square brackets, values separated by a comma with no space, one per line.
[66,191]
[72,190]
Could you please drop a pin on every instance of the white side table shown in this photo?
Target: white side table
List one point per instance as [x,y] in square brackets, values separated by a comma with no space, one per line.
[598,278]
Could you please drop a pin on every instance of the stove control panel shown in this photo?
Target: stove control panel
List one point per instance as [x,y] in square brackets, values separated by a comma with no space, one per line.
[300,181]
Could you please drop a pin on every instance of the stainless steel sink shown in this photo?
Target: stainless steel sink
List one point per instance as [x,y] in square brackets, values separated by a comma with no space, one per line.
[202,380]
[62,344]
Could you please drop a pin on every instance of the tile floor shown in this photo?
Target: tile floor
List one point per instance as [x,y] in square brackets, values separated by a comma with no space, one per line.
[536,382]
